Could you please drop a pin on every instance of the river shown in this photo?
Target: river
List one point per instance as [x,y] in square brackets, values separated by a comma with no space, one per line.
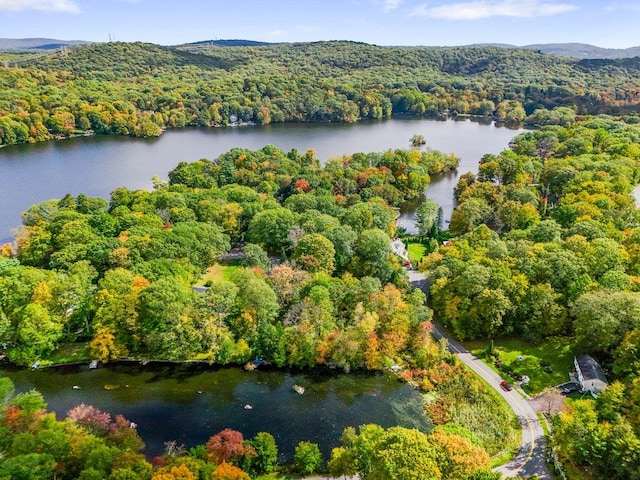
[97,165]
[189,403]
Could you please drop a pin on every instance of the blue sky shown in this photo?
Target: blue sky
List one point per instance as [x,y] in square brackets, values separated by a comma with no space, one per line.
[614,24]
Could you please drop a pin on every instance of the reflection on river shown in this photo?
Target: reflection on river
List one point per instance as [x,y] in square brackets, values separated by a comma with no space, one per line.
[189,403]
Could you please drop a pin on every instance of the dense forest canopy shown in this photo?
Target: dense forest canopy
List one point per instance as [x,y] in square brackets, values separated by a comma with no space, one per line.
[139,89]
[318,284]
[548,245]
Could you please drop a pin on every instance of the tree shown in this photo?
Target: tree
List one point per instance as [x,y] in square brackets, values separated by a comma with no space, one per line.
[227,471]
[602,319]
[307,458]
[226,446]
[255,256]
[37,334]
[426,216]
[180,472]
[404,454]
[315,253]
[270,228]
[266,456]
[372,250]
[456,456]
[552,401]
[32,466]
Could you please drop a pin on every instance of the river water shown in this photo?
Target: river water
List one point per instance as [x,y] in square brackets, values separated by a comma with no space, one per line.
[189,403]
[97,165]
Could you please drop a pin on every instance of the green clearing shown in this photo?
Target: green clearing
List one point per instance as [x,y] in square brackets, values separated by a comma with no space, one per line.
[69,353]
[218,273]
[416,252]
[555,352]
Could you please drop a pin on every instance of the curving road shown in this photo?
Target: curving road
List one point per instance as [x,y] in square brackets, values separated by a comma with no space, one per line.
[530,459]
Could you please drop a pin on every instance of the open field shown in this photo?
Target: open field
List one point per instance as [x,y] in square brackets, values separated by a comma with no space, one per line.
[556,353]
[218,273]
[416,252]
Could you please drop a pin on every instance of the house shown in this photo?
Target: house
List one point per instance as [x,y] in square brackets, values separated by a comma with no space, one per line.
[589,374]
[397,247]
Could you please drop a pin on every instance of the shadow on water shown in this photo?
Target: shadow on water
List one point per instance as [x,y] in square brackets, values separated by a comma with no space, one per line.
[189,403]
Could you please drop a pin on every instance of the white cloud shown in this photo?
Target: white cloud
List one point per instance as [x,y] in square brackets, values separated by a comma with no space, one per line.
[391,5]
[42,5]
[493,8]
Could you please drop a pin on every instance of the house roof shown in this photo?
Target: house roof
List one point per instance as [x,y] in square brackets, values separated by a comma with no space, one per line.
[590,369]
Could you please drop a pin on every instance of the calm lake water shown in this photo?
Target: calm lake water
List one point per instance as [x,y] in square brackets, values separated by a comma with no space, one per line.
[97,165]
[190,403]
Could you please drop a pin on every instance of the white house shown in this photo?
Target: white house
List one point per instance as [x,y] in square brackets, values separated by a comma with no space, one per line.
[589,374]
[397,247]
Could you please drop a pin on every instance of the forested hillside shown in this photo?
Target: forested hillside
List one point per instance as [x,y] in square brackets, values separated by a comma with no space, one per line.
[549,246]
[140,89]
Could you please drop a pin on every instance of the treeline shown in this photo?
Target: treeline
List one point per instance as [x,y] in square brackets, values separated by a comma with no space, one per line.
[139,89]
[89,445]
[548,245]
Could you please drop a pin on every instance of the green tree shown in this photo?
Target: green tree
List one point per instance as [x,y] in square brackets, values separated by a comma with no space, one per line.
[315,253]
[426,216]
[307,458]
[266,456]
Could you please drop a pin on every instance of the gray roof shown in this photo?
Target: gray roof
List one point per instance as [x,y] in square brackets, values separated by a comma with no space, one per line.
[590,369]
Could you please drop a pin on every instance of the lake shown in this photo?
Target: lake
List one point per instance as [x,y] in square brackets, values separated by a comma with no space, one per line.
[189,403]
[97,165]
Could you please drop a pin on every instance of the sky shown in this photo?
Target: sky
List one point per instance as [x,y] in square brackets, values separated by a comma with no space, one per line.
[611,24]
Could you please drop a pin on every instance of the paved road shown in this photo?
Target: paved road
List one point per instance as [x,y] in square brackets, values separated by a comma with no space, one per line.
[530,459]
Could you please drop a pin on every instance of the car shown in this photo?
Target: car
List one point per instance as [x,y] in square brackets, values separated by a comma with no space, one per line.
[505,386]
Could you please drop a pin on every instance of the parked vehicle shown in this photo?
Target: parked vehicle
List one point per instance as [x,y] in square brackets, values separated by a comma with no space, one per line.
[505,386]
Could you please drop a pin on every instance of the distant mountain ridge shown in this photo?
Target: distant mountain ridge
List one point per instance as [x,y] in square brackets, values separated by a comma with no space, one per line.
[36,43]
[229,43]
[573,50]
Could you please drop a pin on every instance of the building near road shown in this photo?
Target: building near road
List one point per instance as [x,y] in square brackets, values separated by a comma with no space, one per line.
[589,374]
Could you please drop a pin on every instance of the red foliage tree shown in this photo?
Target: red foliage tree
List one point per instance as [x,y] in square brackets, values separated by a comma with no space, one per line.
[92,419]
[226,446]
[302,185]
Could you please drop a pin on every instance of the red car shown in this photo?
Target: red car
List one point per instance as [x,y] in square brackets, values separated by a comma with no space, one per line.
[505,386]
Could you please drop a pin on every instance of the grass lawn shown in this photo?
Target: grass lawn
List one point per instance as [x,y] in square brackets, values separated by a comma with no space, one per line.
[70,353]
[556,352]
[218,272]
[416,252]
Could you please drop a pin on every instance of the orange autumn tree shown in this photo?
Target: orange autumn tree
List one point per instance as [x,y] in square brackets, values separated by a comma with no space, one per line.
[226,471]
[174,473]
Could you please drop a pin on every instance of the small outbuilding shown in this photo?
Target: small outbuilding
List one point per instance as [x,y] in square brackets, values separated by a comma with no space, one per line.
[589,374]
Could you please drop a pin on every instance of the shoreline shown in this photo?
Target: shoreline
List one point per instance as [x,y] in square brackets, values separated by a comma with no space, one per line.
[91,133]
